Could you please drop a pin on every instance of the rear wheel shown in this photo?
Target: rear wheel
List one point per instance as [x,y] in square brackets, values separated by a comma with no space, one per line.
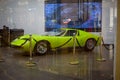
[90,44]
[42,47]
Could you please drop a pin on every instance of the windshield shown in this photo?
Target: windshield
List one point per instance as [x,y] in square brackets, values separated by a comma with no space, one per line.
[55,32]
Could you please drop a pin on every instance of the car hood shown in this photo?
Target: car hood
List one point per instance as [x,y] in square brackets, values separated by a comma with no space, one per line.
[22,39]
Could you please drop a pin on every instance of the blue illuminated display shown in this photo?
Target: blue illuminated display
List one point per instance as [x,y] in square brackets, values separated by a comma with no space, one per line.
[83,15]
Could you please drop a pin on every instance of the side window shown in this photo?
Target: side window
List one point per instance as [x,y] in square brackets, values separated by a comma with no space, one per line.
[70,32]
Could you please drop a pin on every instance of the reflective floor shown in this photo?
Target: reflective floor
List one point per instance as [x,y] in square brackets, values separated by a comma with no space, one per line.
[57,65]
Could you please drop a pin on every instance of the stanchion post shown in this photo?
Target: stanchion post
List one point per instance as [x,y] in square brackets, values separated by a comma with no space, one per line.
[30,47]
[74,62]
[100,57]
[30,63]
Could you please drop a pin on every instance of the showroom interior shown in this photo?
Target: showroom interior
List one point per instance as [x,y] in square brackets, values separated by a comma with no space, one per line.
[59,40]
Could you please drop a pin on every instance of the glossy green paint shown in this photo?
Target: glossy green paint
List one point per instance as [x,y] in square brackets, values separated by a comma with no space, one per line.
[55,41]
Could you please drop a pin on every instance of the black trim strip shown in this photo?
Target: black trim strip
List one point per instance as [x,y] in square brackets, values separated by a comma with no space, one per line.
[28,40]
[24,42]
[78,42]
[64,43]
[35,40]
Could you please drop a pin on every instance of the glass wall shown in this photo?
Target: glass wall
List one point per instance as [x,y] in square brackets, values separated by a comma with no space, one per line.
[80,14]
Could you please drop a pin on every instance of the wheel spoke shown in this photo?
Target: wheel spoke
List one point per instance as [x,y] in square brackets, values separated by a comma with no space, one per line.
[90,44]
[42,48]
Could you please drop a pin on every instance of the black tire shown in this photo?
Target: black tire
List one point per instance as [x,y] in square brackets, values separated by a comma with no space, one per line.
[42,47]
[90,44]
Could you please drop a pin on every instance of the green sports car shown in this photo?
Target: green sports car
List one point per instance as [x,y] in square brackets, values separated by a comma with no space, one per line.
[58,38]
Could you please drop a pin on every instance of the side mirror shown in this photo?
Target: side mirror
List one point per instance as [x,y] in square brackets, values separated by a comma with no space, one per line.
[74,34]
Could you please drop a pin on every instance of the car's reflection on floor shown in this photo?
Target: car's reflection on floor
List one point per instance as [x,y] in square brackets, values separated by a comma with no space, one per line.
[58,62]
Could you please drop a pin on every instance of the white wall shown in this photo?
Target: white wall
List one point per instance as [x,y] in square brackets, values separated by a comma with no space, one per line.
[108,21]
[23,14]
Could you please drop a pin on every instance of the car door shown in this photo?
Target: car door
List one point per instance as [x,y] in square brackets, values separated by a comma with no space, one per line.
[67,39]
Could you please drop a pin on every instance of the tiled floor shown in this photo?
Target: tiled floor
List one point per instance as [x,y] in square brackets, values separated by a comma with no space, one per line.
[57,65]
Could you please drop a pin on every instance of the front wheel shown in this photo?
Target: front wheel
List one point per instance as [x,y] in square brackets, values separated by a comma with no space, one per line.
[42,47]
[90,44]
